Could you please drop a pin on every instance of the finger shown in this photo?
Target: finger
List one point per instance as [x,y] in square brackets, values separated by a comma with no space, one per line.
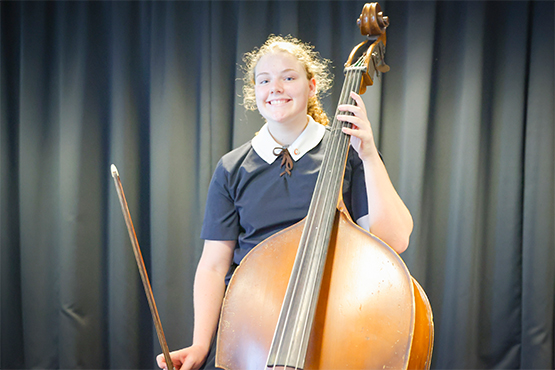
[358,99]
[188,364]
[349,108]
[355,96]
[359,103]
[161,361]
[351,132]
[353,120]
[363,135]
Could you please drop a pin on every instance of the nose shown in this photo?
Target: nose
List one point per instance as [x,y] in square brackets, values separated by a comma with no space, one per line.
[276,86]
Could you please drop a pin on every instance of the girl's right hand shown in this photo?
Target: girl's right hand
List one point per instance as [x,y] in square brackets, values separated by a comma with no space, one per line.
[190,358]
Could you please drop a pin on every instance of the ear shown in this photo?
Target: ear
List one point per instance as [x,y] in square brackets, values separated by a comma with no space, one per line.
[312,87]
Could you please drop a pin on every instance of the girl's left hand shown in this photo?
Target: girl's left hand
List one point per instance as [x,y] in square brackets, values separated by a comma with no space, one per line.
[362,138]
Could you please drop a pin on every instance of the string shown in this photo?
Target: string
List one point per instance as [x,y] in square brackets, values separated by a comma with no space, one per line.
[337,164]
[333,163]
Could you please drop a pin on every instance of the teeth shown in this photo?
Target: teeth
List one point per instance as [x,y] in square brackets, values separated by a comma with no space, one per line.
[281,101]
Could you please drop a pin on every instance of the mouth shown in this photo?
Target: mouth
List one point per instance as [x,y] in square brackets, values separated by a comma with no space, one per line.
[277,101]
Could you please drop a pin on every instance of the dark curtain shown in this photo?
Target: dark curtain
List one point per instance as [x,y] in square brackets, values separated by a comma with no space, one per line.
[464,121]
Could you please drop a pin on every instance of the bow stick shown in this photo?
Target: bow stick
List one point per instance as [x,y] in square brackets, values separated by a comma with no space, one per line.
[142,268]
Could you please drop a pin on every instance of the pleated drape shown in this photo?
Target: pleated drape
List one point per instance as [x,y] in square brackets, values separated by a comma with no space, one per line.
[464,121]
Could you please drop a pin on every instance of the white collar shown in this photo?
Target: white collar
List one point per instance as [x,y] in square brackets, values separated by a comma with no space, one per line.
[263,143]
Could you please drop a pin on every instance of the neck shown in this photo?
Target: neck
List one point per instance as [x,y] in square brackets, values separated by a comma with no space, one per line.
[286,134]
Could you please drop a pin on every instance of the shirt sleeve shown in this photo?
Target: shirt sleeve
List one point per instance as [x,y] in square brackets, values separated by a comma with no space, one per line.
[221,220]
[354,187]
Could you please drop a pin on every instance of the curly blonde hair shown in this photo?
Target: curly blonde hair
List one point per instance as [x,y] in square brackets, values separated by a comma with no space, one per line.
[314,64]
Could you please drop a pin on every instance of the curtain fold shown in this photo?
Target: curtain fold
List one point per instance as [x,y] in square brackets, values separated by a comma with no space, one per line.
[538,283]
[464,121]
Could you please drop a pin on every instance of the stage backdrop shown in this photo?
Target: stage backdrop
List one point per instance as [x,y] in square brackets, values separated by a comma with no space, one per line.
[464,121]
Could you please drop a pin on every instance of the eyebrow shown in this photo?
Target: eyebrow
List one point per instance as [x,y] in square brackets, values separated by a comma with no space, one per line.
[284,71]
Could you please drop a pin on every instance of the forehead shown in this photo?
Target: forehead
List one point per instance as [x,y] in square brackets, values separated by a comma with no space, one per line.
[276,62]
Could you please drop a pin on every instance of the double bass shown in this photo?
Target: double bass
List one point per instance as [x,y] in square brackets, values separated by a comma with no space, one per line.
[325,293]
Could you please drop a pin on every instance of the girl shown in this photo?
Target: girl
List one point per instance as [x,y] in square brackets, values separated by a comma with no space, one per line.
[252,194]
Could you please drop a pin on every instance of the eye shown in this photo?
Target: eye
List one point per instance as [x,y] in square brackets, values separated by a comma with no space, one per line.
[290,78]
[262,82]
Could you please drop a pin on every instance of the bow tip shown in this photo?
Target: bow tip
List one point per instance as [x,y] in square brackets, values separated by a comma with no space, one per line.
[114,170]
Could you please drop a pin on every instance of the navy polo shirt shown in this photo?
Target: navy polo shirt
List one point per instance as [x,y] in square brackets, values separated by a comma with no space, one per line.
[249,201]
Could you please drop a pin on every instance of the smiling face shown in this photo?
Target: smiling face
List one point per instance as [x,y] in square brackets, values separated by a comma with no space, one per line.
[282,89]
